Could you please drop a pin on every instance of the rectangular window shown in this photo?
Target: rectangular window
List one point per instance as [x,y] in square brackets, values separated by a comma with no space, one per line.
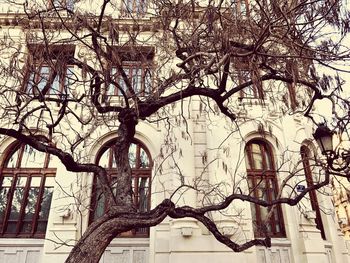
[292,72]
[26,190]
[49,71]
[254,90]
[134,8]
[138,75]
[24,211]
[262,185]
[240,8]
[62,4]
[50,80]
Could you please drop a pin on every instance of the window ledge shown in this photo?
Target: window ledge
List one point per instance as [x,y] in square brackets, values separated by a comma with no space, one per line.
[281,242]
[129,242]
[23,242]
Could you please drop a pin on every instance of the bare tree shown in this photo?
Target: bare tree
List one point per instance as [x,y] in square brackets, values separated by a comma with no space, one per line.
[214,52]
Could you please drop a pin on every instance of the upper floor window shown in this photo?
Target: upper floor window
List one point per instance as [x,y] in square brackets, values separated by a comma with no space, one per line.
[134,7]
[141,165]
[136,63]
[306,157]
[292,72]
[26,187]
[139,76]
[263,185]
[240,7]
[50,72]
[254,90]
[64,4]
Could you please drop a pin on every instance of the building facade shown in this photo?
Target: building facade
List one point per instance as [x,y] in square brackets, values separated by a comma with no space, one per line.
[196,158]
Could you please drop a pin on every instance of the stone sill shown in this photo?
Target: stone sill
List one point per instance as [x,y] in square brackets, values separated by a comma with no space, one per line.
[129,242]
[23,242]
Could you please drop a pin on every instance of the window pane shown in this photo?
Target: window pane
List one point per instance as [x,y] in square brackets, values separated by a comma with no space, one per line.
[7,181]
[32,158]
[121,80]
[33,194]
[257,158]
[104,160]
[136,79]
[30,83]
[46,203]
[11,226]
[129,5]
[35,181]
[12,162]
[100,204]
[41,227]
[114,162]
[50,181]
[243,7]
[112,89]
[17,202]
[268,159]
[247,163]
[43,77]
[4,192]
[132,155]
[55,87]
[261,189]
[144,161]
[31,202]
[148,81]
[70,4]
[143,194]
[69,79]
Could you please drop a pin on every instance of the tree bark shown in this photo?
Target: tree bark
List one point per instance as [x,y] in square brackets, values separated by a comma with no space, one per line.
[93,243]
[100,233]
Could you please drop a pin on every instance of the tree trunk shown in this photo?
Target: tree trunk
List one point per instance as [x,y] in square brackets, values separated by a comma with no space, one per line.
[100,233]
[93,243]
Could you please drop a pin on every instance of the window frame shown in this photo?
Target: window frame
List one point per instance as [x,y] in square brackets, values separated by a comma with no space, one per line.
[128,67]
[305,154]
[128,56]
[29,173]
[246,73]
[266,175]
[255,87]
[58,60]
[137,173]
[138,9]
[67,4]
[292,71]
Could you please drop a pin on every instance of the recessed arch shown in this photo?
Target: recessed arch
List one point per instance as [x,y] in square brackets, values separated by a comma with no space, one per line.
[141,164]
[307,158]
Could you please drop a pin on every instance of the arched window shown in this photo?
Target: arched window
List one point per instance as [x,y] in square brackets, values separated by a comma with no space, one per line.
[26,187]
[263,185]
[306,157]
[141,165]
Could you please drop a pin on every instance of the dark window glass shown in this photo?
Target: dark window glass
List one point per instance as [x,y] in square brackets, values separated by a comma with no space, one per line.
[263,185]
[306,157]
[139,76]
[141,164]
[134,7]
[26,185]
[50,80]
